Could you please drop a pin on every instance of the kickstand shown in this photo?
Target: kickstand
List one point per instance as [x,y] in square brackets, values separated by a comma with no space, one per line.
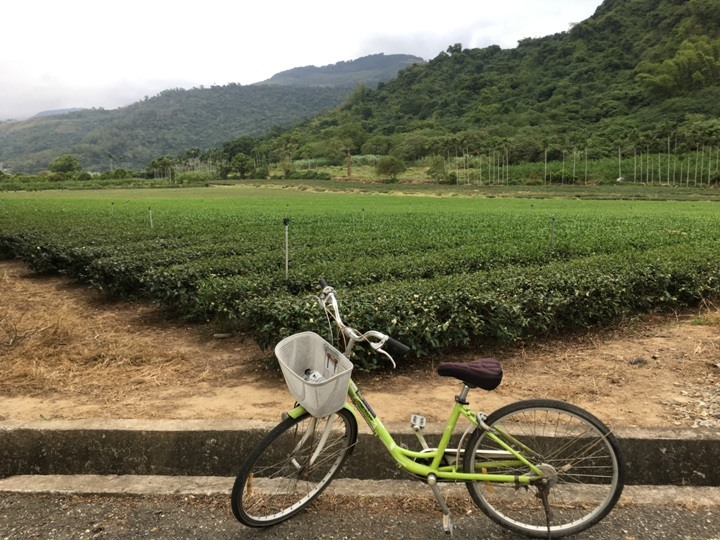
[542,494]
[447,519]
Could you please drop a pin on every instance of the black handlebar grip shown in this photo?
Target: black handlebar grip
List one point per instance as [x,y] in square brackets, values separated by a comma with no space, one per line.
[323,283]
[395,348]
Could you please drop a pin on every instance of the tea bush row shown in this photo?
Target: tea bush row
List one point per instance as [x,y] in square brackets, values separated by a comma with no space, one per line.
[436,273]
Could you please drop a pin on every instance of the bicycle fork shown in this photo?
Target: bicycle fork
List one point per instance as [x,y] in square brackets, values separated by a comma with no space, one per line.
[321,444]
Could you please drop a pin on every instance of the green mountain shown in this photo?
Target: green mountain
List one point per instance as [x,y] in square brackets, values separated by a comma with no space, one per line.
[636,74]
[369,70]
[176,120]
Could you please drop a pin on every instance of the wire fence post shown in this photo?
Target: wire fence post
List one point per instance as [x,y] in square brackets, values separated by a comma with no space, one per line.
[552,233]
[286,222]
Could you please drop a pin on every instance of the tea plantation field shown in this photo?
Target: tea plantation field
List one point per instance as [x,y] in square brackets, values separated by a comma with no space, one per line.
[435,272]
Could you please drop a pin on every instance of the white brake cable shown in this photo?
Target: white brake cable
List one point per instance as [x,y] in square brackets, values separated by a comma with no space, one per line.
[377,347]
[327,316]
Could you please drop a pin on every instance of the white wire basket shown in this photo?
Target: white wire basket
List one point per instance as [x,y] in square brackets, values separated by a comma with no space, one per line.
[308,351]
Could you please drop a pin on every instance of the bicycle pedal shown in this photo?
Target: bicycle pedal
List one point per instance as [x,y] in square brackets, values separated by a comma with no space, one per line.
[417,421]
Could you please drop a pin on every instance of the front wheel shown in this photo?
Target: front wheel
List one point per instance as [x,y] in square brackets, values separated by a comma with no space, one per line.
[291,466]
[577,454]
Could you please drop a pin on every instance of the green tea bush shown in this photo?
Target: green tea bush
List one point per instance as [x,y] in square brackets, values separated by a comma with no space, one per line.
[437,273]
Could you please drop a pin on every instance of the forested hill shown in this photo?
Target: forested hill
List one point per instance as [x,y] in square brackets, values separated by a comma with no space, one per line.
[369,70]
[176,120]
[169,123]
[633,75]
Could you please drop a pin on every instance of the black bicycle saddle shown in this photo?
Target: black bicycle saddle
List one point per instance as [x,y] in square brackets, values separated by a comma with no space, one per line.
[485,373]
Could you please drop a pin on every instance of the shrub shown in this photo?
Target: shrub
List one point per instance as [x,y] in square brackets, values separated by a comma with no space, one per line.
[389,166]
[307,175]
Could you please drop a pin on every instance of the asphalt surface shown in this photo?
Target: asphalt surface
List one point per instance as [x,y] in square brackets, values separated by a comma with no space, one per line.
[655,513]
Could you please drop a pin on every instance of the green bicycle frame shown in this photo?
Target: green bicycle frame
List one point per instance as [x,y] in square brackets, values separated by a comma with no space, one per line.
[406,459]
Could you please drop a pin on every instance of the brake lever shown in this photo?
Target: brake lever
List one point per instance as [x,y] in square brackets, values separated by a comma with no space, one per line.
[377,347]
[327,290]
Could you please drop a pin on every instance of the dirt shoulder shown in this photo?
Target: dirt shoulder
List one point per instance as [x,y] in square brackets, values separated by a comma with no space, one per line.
[68,353]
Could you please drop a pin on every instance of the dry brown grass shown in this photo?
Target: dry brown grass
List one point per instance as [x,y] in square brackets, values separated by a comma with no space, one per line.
[49,347]
[708,316]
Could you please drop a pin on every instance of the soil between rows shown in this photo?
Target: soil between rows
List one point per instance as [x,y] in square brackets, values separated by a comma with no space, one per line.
[66,352]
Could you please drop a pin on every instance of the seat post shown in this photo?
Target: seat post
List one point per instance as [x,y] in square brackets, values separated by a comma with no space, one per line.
[462,398]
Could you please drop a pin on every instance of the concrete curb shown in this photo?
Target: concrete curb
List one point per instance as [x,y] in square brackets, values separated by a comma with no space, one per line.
[681,457]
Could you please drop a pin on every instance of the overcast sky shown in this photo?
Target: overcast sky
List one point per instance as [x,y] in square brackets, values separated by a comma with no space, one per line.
[92,53]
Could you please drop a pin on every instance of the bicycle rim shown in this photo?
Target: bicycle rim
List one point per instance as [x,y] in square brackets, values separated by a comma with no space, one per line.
[572,447]
[291,466]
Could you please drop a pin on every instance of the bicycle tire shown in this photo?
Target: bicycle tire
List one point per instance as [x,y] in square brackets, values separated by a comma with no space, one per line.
[280,477]
[571,445]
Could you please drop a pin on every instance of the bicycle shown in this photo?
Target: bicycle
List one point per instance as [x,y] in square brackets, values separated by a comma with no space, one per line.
[541,468]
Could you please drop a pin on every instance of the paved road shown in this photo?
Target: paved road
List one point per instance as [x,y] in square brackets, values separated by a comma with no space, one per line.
[65,516]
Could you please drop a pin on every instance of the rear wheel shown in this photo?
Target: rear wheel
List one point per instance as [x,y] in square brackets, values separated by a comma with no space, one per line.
[576,452]
[291,466]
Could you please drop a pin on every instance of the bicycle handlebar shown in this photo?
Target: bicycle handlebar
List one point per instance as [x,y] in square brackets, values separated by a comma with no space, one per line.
[386,345]
[393,346]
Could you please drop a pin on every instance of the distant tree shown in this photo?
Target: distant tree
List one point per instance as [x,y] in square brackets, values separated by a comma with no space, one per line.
[336,150]
[240,145]
[65,164]
[437,171]
[389,166]
[162,167]
[119,174]
[377,145]
[411,146]
[261,173]
[358,102]
[242,164]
